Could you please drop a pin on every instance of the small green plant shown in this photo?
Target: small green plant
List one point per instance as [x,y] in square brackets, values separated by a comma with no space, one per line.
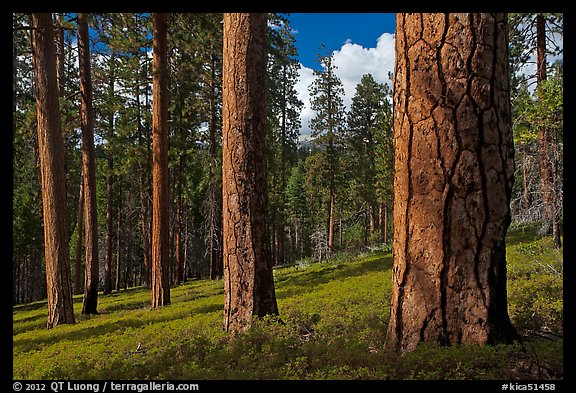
[332,325]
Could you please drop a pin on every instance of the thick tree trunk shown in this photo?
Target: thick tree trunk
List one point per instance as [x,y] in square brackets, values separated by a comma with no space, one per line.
[454,172]
[160,197]
[51,150]
[90,303]
[248,280]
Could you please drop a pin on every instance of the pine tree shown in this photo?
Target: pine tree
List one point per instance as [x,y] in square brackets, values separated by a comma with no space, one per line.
[248,281]
[328,127]
[529,34]
[51,152]
[285,108]
[454,170]
[90,302]
[160,189]
[366,122]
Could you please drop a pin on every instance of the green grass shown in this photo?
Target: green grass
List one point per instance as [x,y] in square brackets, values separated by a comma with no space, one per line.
[332,325]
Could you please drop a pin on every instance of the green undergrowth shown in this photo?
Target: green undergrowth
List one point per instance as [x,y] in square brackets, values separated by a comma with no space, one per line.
[332,325]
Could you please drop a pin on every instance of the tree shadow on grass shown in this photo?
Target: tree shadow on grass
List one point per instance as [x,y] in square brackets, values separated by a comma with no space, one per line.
[84,330]
[306,281]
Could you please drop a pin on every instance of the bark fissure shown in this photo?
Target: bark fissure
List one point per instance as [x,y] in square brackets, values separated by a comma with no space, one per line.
[400,301]
[452,181]
[248,285]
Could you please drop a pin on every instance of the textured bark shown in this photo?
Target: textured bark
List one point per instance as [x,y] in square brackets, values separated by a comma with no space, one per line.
[453,179]
[248,281]
[51,151]
[90,302]
[160,192]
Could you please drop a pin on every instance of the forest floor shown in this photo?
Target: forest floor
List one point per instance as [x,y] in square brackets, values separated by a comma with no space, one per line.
[333,326]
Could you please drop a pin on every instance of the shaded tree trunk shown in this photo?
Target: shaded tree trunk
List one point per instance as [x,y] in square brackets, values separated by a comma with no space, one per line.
[118,238]
[454,168]
[90,302]
[79,233]
[51,151]
[331,203]
[144,193]
[59,42]
[160,186]
[248,280]
[178,243]
[109,189]
[214,214]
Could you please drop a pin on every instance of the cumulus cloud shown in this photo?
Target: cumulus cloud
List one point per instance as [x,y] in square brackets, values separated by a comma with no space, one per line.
[306,77]
[353,61]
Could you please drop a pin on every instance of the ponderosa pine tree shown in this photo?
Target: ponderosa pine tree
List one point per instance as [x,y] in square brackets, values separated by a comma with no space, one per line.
[248,281]
[532,34]
[51,152]
[366,121]
[160,185]
[454,170]
[90,302]
[285,108]
[327,126]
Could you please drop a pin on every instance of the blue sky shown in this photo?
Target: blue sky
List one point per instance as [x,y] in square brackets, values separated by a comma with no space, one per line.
[360,44]
[334,29]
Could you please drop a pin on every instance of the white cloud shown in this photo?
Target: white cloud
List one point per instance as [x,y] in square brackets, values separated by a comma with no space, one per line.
[306,77]
[353,61]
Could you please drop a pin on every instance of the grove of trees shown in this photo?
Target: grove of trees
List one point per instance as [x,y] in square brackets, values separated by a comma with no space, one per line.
[176,136]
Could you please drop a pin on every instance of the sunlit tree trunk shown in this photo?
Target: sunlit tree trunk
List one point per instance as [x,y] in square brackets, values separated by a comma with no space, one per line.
[160,197]
[51,151]
[453,179]
[248,282]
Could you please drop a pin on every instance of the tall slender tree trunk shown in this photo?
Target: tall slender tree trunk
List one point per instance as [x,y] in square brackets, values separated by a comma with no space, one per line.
[160,186]
[144,193]
[525,182]
[280,219]
[178,244]
[51,151]
[59,41]
[118,238]
[215,213]
[331,219]
[128,267]
[454,168]
[79,235]
[109,187]
[248,280]
[90,303]
[545,141]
